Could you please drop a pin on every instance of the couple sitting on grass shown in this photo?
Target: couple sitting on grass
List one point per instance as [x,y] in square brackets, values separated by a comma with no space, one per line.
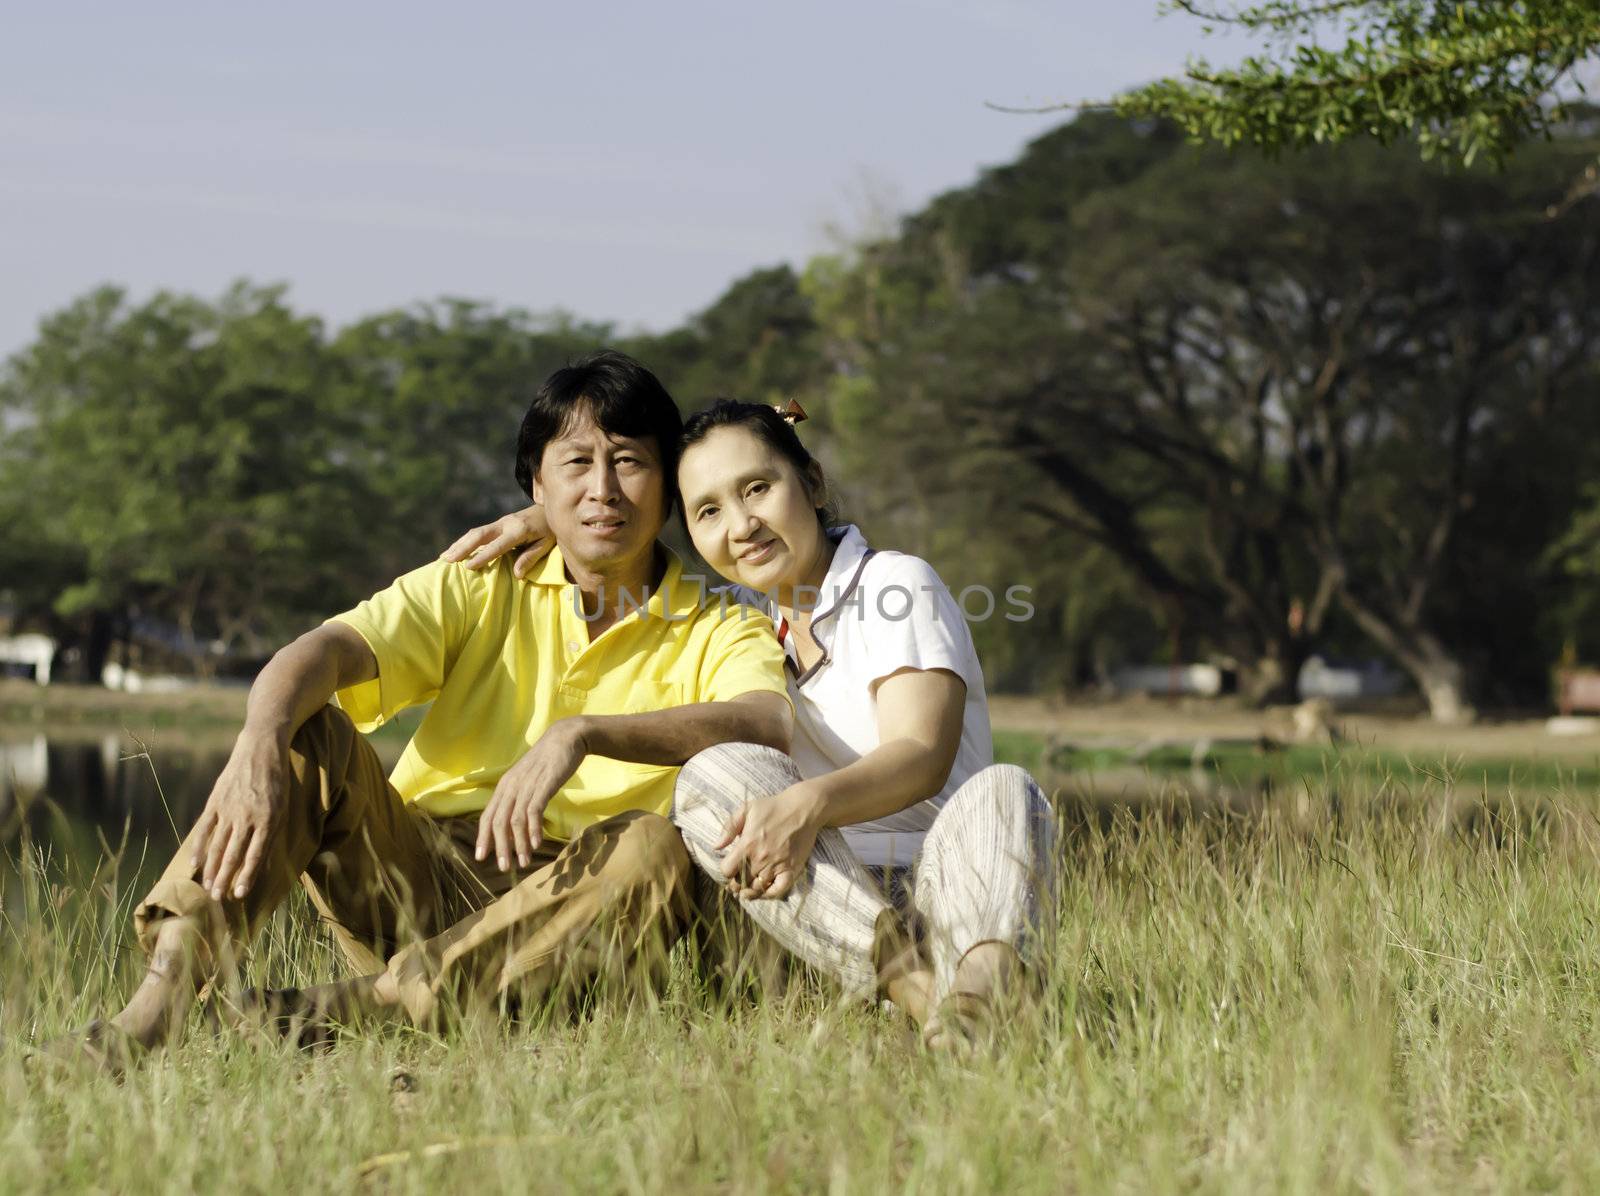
[595,769]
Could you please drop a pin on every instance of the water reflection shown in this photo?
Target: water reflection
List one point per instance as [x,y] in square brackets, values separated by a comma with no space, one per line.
[107,779]
[71,797]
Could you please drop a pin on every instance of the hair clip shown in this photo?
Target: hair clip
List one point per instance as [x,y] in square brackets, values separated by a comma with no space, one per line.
[791,412]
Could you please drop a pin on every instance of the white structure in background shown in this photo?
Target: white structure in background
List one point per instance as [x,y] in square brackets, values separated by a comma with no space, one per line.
[1202,680]
[1369,679]
[30,648]
[1318,679]
[24,764]
[114,676]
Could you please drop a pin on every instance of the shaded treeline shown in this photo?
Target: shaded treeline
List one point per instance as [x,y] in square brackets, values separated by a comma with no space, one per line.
[1345,402]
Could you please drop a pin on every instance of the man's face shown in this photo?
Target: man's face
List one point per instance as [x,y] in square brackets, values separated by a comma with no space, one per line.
[604,496]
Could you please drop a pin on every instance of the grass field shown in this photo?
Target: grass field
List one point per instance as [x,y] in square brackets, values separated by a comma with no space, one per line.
[1390,988]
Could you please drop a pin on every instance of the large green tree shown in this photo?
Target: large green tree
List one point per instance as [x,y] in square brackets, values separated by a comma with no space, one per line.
[1465,80]
[908,350]
[171,461]
[757,341]
[1283,398]
[430,399]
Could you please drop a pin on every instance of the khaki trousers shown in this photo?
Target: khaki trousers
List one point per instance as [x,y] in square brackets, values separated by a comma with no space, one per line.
[401,891]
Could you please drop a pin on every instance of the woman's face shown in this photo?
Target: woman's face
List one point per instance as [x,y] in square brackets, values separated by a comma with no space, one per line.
[751,514]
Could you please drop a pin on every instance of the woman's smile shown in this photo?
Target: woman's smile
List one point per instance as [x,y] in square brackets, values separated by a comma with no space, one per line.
[759,554]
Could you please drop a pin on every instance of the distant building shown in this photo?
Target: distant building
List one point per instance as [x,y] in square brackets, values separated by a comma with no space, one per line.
[1319,678]
[1201,680]
[27,655]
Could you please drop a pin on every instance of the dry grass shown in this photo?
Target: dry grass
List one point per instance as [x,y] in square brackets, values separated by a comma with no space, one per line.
[1384,991]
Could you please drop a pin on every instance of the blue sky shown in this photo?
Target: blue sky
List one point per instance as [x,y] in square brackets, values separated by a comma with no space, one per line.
[622,161]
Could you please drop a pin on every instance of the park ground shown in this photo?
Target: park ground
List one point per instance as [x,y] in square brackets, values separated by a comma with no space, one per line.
[216,711]
[1376,975]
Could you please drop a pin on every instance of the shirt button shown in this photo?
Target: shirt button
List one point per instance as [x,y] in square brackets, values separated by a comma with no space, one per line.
[572,646]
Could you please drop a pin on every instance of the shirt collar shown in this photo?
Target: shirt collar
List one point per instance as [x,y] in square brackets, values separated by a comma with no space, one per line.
[844,572]
[847,557]
[675,593]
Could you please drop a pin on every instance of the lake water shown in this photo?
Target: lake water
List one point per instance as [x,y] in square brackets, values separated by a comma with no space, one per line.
[75,794]
[73,798]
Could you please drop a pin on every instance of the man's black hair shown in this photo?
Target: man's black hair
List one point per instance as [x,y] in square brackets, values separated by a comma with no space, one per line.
[620,395]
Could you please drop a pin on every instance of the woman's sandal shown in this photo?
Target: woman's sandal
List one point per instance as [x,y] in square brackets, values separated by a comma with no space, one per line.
[961,1025]
[99,1046]
[967,1019]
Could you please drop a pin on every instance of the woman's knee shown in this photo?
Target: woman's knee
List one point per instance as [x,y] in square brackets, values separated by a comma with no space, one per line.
[1009,778]
[1005,789]
[1002,800]
[722,778]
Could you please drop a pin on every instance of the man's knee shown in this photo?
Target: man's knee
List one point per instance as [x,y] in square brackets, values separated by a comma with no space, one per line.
[648,845]
[326,733]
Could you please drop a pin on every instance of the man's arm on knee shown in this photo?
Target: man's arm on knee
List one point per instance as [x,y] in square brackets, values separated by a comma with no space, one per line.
[246,802]
[672,736]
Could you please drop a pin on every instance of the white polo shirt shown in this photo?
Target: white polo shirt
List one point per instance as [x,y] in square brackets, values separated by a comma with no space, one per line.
[878,613]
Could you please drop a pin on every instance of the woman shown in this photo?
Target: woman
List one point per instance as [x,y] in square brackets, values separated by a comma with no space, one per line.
[891,797]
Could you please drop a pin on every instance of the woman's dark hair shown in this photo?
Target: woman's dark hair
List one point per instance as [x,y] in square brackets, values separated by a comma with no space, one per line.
[777,432]
[619,394]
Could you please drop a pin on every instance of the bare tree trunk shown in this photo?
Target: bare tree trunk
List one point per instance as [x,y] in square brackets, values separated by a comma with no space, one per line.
[95,647]
[1443,683]
[1436,670]
[1273,678]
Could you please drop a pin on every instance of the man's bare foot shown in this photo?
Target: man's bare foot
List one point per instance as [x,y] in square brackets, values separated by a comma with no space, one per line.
[157,1008]
[99,1046]
[169,987]
[965,1018]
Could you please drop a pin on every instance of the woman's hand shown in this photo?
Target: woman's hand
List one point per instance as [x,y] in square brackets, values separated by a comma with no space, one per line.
[525,528]
[768,842]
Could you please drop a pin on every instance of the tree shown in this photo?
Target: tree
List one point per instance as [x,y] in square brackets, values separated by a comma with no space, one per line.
[907,351]
[757,341]
[1279,396]
[177,451]
[1388,352]
[430,399]
[1463,80]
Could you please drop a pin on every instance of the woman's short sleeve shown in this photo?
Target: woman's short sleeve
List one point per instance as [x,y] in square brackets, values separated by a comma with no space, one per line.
[910,620]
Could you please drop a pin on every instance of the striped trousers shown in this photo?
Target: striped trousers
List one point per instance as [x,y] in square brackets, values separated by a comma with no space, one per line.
[986,871]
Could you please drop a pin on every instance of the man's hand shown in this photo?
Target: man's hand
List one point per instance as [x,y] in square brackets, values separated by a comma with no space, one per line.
[514,817]
[241,815]
[484,544]
[769,841]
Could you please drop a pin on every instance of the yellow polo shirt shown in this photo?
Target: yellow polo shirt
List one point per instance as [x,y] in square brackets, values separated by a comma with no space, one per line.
[501,659]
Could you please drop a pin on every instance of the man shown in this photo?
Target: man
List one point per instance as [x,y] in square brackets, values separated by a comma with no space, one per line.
[521,843]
